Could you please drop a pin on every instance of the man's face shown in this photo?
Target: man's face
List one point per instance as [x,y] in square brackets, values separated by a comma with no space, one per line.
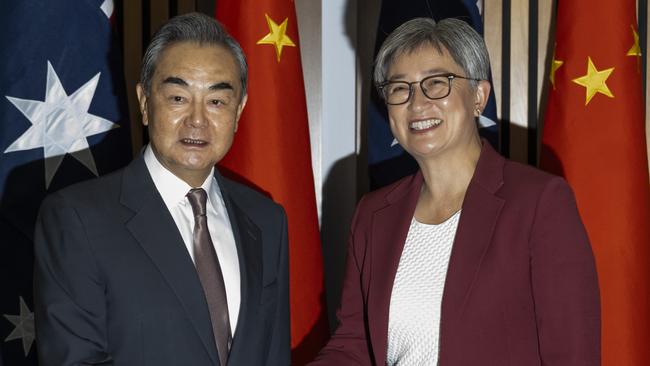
[193,108]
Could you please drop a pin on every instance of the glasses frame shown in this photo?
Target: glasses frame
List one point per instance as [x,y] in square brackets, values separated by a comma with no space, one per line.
[449,76]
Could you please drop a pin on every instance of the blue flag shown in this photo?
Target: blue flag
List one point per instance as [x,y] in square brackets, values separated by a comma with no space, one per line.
[63,119]
[388,162]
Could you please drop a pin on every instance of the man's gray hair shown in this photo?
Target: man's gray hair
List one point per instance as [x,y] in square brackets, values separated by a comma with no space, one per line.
[464,45]
[191,27]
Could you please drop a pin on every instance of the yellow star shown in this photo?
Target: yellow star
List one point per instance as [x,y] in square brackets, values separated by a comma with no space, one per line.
[636,49]
[554,66]
[595,81]
[277,36]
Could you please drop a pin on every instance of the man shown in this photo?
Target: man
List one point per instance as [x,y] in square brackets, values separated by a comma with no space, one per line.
[128,272]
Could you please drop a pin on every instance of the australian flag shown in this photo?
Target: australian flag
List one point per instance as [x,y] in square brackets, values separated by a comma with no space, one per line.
[388,162]
[63,119]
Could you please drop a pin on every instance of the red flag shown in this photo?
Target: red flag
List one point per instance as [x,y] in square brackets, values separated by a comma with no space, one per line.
[594,136]
[271,151]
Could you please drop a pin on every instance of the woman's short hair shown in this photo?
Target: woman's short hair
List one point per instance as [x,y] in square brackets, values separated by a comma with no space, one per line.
[191,27]
[464,45]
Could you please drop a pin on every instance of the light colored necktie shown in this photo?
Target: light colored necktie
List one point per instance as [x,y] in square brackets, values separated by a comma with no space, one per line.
[209,270]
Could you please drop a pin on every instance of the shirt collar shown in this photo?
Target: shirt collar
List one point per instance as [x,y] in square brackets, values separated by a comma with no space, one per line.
[172,188]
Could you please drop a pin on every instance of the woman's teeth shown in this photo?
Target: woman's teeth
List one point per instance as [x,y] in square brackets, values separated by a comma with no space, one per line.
[423,125]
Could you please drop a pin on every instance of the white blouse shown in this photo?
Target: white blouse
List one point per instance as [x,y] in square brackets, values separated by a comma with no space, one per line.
[414,315]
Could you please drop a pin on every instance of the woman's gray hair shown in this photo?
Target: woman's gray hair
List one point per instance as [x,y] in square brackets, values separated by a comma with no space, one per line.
[191,27]
[465,46]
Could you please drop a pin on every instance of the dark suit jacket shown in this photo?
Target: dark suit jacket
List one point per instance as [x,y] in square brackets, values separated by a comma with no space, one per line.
[521,287]
[114,280]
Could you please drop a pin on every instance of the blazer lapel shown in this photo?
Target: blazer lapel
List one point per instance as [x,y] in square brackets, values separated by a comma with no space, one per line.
[390,226]
[155,230]
[249,250]
[480,213]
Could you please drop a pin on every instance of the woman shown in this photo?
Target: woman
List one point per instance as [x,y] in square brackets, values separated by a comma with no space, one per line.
[517,287]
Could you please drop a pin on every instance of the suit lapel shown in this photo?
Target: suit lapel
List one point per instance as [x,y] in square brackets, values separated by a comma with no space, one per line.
[390,226]
[249,250]
[480,213]
[155,230]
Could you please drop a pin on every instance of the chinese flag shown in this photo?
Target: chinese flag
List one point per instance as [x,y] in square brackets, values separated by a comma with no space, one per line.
[271,151]
[594,136]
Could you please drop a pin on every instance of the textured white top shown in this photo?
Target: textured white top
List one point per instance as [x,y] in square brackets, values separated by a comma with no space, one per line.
[414,315]
[173,191]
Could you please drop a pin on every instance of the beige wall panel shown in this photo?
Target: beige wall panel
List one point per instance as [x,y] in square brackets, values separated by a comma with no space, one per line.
[519,80]
[308,13]
[158,13]
[545,46]
[492,18]
[186,6]
[132,56]
[367,19]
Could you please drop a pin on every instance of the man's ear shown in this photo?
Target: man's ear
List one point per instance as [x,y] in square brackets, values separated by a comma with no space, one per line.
[482,95]
[142,102]
[240,109]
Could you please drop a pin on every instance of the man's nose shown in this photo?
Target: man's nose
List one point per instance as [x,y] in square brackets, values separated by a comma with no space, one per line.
[197,114]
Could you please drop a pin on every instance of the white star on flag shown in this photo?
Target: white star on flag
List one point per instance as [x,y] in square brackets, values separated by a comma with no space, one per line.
[479,5]
[24,326]
[107,7]
[60,124]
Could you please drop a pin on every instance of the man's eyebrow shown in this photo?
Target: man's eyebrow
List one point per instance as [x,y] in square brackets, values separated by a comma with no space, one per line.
[221,86]
[175,80]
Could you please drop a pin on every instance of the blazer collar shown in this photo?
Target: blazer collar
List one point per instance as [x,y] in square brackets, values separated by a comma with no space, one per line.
[389,228]
[488,174]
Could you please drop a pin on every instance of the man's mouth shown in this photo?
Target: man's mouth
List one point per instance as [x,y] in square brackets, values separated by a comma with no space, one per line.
[194,142]
[424,124]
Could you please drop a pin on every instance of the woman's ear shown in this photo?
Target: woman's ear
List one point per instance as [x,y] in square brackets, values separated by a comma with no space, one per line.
[482,95]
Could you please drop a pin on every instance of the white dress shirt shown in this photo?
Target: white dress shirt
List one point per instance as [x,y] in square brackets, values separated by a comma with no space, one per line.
[173,191]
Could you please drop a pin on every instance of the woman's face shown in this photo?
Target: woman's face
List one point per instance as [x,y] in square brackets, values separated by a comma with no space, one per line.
[430,128]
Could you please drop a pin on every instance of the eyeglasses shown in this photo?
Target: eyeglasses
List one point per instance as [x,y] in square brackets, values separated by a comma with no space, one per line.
[433,87]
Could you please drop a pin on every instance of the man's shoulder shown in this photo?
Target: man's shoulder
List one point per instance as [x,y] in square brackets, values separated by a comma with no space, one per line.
[247,197]
[89,193]
[101,183]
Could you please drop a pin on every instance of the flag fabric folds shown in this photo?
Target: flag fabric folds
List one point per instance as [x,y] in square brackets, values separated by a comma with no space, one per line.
[387,161]
[63,118]
[271,152]
[594,136]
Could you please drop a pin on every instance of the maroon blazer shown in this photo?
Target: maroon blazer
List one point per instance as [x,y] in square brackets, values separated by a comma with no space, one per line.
[521,288]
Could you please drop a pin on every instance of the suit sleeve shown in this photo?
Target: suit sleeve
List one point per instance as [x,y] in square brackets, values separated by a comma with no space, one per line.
[564,281]
[70,309]
[349,343]
[280,349]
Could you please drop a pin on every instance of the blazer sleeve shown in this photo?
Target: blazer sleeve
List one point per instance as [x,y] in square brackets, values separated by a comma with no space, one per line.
[70,309]
[280,349]
[349,345]
[564,281]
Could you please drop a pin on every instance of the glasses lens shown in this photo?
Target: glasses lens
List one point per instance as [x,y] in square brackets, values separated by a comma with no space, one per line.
[436,87]
[396,92]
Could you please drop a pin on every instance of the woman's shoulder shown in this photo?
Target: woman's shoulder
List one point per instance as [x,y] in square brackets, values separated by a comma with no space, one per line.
[392,192]
[522,178]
